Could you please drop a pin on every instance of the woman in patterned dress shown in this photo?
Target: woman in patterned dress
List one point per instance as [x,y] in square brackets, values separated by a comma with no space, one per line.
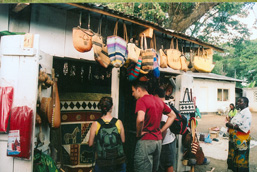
[239,137]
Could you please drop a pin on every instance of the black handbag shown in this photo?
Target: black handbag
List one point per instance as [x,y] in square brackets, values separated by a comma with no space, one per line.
[186,107]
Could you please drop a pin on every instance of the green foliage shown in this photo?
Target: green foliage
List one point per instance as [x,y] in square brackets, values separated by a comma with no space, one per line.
[220,24]
[239,61]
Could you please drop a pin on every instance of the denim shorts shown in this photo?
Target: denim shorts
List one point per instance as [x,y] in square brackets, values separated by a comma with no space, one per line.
[117,168]
[168,156]
[147,155]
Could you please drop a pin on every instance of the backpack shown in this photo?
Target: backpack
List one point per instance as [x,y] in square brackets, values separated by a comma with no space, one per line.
[108,141]
[179,125]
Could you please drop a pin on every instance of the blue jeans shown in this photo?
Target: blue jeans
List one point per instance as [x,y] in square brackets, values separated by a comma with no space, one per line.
[117,168]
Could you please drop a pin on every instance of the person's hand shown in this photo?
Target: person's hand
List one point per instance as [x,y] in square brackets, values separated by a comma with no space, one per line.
[227,118]
[229,125]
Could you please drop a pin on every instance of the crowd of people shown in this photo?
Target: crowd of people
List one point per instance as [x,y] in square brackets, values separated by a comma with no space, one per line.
[155,146]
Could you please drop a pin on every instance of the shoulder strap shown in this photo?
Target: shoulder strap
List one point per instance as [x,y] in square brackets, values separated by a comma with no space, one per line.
[101,121]
[188,96]
[113,121]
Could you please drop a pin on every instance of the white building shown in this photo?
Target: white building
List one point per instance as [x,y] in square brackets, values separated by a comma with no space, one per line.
[213,92]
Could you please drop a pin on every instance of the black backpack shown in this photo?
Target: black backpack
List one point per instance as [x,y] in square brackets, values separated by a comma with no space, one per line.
[108,141]
[179,125]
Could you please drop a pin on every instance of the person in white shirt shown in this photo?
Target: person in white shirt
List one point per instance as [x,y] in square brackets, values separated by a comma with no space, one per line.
[239,137]
[168,154]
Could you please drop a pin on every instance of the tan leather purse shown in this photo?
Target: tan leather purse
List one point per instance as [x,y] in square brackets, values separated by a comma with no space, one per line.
[174,56]
[163,59]
[82,38]
[203,61]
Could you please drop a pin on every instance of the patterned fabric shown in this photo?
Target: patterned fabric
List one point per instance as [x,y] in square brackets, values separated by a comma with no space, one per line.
[147,59]
[239,148]
[243,119]
[117,50]
[134,70]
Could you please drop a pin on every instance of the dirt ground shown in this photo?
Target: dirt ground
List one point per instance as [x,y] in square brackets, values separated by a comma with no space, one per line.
[213,120]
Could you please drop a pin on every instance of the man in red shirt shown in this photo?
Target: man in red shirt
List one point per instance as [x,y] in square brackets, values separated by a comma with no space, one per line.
[149,110]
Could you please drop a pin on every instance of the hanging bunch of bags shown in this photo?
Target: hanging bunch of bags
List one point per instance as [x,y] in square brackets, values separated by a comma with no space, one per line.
[117,51]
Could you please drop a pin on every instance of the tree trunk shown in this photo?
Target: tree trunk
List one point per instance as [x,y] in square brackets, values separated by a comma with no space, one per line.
[182,19]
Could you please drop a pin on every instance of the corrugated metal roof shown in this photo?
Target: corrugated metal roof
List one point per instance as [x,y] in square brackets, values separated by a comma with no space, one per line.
[212,76]
[98,8]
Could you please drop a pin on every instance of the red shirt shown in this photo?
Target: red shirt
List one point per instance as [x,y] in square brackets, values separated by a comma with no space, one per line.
[153,107]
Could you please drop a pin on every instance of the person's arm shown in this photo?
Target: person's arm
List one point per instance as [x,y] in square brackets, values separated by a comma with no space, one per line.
[140,122]
[235,127]
[122,132]
[171,118]
[164,132]
[92,134]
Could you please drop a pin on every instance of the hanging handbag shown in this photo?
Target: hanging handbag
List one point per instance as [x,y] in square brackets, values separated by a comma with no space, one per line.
[97,41]
[186,107]
[203,61]
[133,52]
[174,56]
[134,69]
[147,56]
[82,38]
[100,49]
[183,62]
[117,46]
[163,59]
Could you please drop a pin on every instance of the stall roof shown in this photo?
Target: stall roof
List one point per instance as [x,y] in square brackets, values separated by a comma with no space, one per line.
[212,76]
[101,9]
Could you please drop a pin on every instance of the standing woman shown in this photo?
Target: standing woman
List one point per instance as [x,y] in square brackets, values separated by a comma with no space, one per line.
[232,112]
[108,134]
[239,138]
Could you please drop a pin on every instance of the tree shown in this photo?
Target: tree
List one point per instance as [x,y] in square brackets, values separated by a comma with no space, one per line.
[211,22]
[239,61]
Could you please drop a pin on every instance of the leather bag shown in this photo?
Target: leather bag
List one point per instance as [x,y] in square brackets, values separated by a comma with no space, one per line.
[103,58]
[100,49]
[117,46]
[174,56]
[82,39]
[203,61]
[163,59]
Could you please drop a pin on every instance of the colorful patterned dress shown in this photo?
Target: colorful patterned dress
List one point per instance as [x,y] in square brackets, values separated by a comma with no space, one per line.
[239,142]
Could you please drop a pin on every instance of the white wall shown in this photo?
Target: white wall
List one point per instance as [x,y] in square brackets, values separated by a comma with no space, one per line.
[55,29]
[251,94]
[205,91]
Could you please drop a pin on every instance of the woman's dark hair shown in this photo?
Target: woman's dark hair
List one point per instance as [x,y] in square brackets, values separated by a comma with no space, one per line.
[105,104]
[231,104]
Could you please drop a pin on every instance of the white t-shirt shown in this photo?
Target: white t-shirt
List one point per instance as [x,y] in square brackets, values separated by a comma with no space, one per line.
[243,119]
[169,137]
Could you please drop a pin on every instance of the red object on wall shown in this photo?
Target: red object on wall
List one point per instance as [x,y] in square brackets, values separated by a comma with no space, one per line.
[22,119]
[6,99]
